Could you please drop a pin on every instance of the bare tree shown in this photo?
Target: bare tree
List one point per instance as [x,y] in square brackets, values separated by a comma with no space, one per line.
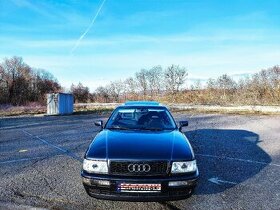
[116,89]
[20,83]
[211,84]
[130,88]
[226,84]
[103,93]
[43,82]
[274,78]
[154,77]
[80,92]
[175,77]
[197,85]
[16,75]
[4,85]
[142,80]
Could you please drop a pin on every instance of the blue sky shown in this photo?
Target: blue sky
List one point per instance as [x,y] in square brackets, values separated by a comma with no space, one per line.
[208,37]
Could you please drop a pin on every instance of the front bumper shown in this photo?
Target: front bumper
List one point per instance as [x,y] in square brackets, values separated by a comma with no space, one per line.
[167,193]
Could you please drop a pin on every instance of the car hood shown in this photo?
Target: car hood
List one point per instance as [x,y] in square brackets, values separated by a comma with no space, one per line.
[135,145]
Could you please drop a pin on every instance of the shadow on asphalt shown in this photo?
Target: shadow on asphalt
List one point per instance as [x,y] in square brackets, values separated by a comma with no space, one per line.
[37,122]
[227,157]
[169,206]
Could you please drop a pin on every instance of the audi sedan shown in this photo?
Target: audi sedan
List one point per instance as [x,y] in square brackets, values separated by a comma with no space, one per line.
[140,154]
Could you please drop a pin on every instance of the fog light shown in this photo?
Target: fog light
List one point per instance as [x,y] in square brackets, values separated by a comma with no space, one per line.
[96,182]
[101,182]
[177,183]
[87,181]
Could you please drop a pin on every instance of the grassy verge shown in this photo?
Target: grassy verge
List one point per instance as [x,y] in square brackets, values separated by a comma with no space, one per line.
[232,112]
[6,111]
[9,111]
[97,110]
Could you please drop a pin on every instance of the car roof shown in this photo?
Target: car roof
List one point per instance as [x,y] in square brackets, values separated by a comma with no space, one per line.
[142,104]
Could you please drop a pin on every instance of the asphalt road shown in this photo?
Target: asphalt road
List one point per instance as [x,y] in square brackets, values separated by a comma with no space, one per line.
[238,158]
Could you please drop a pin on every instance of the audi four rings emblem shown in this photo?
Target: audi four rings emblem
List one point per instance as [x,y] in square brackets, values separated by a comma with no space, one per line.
[139,167]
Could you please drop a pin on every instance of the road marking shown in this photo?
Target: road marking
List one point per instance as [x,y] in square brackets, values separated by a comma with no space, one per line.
[65,151]
[218,181]
[239,159]
[19,160]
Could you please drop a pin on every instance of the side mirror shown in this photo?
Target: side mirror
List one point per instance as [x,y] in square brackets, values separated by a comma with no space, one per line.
[183,124]
[99,123]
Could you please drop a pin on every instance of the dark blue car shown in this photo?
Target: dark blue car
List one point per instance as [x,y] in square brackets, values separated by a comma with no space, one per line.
[140,154]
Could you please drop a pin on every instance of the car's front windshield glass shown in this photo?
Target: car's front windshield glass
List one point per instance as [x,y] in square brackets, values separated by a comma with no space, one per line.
[141,119]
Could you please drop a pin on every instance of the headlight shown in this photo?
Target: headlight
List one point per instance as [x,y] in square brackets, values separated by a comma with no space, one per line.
[183,167]
[95,166]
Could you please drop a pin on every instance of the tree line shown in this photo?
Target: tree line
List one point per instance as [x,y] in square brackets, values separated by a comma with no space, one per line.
[262,88]
[20,84]
[169,85]
[147,84]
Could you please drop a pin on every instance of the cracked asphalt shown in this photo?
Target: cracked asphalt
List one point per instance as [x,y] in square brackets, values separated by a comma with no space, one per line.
[238,157]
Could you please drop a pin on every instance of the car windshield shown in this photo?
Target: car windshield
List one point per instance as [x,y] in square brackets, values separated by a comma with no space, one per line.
[141,119]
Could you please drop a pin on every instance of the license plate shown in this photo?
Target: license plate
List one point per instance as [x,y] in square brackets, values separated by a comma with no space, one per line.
[144,188]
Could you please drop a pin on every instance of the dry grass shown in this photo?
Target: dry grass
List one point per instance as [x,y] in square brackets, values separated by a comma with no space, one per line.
[30,109]
[92,110]
[232,112]
[33,109]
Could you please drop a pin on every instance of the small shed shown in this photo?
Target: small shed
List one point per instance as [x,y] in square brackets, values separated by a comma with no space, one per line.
[60,103]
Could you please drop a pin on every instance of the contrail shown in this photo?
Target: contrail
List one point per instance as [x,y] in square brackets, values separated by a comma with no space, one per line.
[88,28]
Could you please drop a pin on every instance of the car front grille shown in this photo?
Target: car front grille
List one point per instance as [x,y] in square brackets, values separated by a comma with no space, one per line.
[122,168]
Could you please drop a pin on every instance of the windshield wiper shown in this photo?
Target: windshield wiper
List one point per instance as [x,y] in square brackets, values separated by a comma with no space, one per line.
[119,128]
[152,129]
